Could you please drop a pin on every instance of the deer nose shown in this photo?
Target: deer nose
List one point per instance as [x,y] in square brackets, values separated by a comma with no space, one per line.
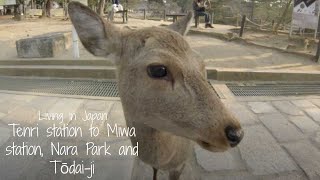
[233,135]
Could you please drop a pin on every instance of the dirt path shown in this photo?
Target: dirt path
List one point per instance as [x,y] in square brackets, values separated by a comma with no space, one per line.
[11,31]
[229,55]
[217,53]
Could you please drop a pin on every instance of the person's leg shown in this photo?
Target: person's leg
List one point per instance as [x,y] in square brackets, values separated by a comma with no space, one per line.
[206,16]
[109,15]
[112,15]
[113,9]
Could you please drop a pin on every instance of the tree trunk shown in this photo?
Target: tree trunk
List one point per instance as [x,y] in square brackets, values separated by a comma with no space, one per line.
[252,10]
[44,12]
[157,1]
[100,10]
[46,8]
[16,12]
[65,9]
[275,30]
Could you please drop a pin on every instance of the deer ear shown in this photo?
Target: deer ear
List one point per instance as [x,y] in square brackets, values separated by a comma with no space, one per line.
[183,25]
[98,36]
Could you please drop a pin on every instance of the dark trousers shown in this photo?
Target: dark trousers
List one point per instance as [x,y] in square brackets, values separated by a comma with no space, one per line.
[205,14]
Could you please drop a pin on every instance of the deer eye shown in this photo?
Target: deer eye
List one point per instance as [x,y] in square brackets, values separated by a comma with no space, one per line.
[157,71]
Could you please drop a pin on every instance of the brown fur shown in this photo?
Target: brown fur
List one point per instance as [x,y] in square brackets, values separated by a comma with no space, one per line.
[169,113]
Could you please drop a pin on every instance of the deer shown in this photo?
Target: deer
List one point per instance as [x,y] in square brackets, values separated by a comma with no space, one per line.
[163,89]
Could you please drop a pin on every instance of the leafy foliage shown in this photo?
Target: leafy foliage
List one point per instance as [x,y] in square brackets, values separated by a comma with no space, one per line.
[268,10]
[264,10]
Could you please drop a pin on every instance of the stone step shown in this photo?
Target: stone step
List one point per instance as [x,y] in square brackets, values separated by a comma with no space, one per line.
[235,74]
[59,71]
[104,69]
[44,46]
[58,62]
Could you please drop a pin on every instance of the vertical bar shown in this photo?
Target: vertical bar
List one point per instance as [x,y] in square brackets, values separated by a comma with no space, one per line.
[123,17]
[237,23]
[75,44]
[252,10]
[144,14]
[242,25]
[197,19]
[318,49]
[273,25]
[127,16]
[260,27]
[164,15]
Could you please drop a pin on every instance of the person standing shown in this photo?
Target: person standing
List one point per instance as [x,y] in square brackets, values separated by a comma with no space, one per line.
[115,7]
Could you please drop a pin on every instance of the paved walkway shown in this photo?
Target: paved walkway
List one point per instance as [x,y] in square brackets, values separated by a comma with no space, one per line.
[282,140]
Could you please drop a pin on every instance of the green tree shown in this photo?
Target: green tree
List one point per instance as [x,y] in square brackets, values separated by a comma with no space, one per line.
[283,16]
[157,1]
[185,4]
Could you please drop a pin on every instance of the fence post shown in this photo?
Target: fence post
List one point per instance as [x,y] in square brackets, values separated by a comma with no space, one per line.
[318,49]
[75,44]
[242,25]
[144,14]
[211,19]
[260,27]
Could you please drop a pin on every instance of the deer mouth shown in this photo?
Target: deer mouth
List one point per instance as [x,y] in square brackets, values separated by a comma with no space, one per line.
[210,147]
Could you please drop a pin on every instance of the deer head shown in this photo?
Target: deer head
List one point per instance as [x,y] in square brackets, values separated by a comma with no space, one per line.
[162,81]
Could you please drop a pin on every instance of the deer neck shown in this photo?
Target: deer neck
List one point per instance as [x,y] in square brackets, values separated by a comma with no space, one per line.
[161,149]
